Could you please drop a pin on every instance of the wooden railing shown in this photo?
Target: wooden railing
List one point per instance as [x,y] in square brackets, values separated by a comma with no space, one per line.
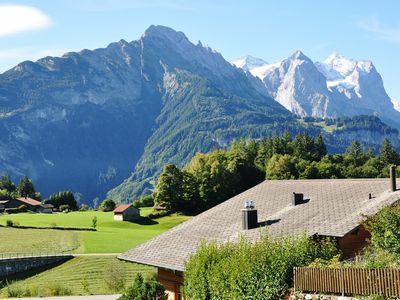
[348,281]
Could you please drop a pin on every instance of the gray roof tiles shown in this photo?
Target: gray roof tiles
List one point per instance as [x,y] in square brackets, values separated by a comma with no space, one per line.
[335,207]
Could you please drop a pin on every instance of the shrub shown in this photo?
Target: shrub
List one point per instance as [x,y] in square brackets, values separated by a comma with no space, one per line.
[159,214]
[384,229]
[94,222]
[64,208]
[58,290]
[107,205]
[114,277]
[14,290]
[144,201]
[32,291]
[9,223]
[261,270]
[142,289]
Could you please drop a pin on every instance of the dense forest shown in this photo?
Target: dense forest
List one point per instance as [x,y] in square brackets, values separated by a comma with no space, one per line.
[209,179]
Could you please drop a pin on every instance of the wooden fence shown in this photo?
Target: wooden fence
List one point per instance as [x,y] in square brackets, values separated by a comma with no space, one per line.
[356,281]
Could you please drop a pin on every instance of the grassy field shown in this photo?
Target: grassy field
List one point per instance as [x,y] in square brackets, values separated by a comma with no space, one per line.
[37,241]
[111,236]
[79,276]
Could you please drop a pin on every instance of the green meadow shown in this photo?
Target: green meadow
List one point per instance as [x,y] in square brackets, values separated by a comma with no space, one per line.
[78,276]
[82,275]
[111,236]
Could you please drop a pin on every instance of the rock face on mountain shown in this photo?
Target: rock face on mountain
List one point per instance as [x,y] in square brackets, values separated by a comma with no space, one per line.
[83,121]
[336,87]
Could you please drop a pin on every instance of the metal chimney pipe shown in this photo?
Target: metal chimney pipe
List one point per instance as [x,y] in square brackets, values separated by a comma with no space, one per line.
[249,216]
[393,178]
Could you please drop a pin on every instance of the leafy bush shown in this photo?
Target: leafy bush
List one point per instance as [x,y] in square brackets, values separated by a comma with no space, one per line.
[64,208]
[261,270]
[144,201]
[384,229]
[141,289]
[159,214]
[9,223]
[107,205]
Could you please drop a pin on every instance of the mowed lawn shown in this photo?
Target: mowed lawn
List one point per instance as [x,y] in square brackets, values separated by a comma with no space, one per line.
[37,241]
[111,236]
[80,276]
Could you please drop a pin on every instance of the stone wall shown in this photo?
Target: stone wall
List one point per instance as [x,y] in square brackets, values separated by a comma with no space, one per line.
[10,266]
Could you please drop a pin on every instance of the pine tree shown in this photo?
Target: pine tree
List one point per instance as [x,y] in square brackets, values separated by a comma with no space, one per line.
[320,148]
[26,188]
[7,184]
[355,155]
[388,153]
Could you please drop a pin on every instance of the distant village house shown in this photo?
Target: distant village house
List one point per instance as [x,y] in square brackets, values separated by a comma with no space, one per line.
[30,204]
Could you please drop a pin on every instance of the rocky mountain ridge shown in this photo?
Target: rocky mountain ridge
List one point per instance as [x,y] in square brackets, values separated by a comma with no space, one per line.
[107,120]
[335,87]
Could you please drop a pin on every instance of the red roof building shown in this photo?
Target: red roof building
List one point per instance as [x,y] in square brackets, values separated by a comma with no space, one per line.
[29,201]
[126,212]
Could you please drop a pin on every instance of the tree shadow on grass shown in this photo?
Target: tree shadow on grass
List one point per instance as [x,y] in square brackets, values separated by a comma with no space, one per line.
[145,221]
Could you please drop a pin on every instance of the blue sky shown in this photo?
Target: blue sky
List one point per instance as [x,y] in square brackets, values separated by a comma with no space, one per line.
[269,29]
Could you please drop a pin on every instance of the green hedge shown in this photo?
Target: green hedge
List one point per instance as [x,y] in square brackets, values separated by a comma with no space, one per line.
[51,227]
[261,270]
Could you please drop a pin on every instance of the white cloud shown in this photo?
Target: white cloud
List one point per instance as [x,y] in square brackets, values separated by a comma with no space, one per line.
[382,32]
[20,18]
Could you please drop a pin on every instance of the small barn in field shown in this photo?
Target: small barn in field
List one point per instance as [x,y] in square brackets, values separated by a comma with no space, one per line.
[126,212]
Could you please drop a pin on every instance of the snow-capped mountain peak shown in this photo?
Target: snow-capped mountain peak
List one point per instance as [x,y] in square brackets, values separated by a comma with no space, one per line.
[337,86]
[247,63]
[299,55]
[337,66]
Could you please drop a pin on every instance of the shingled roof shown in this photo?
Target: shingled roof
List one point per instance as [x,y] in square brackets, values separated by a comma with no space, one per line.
[335,208]
[30,201]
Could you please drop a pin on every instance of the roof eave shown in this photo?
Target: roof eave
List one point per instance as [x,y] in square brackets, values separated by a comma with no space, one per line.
[144,262]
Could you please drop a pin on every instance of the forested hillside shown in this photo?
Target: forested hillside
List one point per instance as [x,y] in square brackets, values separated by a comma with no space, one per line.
[209,179]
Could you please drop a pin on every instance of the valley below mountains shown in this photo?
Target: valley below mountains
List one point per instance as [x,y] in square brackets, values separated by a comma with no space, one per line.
[105,121]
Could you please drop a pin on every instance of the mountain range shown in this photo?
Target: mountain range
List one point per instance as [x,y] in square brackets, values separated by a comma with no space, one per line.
[335,87]
[106,121]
